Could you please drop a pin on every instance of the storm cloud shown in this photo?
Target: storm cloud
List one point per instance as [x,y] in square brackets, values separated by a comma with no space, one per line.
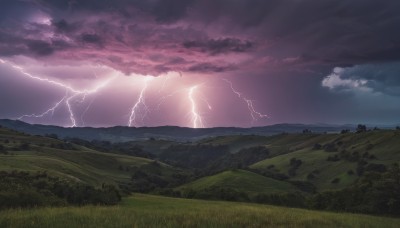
[381,78]
[299,59]
[332,32]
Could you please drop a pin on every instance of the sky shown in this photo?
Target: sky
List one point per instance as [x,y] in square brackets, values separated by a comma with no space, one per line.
[199,63]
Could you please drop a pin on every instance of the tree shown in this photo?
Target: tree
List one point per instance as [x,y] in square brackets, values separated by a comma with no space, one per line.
[25,146]
[344,131]
[361,128]
[54,136]
[2,149]
[317,146]
[307,131]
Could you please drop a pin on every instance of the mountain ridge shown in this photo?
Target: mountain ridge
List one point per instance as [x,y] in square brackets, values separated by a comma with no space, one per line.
[123,133]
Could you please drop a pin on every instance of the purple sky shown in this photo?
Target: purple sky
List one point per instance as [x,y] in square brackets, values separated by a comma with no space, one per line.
[200,63]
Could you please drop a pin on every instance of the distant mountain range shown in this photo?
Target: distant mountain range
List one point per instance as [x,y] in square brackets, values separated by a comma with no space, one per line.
[123,134]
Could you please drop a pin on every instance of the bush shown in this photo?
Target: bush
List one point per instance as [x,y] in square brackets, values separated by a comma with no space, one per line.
[24,146]
[3,149]
[335,181]
[330,147]
[294,165]
[361,128]
[53,136]
[375,168]
[317,146]
[304,186]
[333,158]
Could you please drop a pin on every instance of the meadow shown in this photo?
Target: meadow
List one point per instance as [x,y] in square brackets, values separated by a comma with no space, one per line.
[142,210]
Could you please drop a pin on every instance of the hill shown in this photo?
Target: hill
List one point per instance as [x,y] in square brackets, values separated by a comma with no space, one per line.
[284,169]
[241,180]
[332,161]
[155,211]
[124,134]
[24,152]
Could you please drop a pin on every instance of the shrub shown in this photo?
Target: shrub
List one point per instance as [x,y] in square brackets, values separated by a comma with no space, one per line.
[335,181]
[317,146]
[361,128]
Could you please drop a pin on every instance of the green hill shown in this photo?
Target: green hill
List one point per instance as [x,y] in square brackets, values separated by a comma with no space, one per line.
[241,180]
[271,170]
[36,153]
[156,211]
[277,144]
[334,161]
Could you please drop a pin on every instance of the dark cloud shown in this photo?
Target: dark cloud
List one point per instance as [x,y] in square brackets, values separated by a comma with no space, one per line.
[91,38]
[171,10]
[162,10]
[210,67]
[12,9]
[314,33]
[63,26]
[218,46]
[40,48]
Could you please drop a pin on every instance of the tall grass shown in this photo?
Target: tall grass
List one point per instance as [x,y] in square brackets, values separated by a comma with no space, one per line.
[156,211]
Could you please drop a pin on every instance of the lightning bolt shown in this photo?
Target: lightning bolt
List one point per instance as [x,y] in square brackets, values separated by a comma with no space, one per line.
[255,115]
[163,98]
[84,112]
[206,101]
[139,110]
[71,113]
[140,102]
[196,117]
[50,110]
[67,99]
[164,84]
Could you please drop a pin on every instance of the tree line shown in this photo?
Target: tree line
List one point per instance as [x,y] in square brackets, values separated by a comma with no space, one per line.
[19,189]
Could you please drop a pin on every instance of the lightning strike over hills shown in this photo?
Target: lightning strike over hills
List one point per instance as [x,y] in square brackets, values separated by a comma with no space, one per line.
[141,102]
[196,117]
[74,93]
[139,110]
[50,110]
[255,115]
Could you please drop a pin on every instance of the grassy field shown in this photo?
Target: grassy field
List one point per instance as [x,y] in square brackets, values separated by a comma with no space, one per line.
[242,180]
[156,211]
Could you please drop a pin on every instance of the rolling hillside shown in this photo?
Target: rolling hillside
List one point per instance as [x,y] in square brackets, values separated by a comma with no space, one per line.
[36,153]
[284,169]
[333,161]
[241,180]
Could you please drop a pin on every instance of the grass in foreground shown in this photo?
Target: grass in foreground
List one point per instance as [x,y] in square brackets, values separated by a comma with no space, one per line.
[157,211]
